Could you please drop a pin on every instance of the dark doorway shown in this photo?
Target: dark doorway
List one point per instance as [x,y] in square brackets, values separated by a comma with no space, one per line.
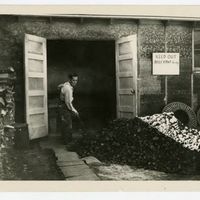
[95,94]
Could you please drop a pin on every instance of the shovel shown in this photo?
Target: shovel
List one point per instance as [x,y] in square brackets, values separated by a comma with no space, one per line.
[82,128]
[82,124]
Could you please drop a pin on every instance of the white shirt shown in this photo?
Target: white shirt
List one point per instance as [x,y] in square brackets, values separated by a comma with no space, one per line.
[66,95]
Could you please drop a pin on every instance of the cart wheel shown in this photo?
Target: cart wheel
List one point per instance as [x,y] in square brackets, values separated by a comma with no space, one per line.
[182,112]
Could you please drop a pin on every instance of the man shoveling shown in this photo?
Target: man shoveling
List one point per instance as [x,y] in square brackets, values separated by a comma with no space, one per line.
[67,110]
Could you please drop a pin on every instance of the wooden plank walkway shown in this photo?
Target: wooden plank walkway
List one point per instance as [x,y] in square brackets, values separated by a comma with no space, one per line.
[70,164]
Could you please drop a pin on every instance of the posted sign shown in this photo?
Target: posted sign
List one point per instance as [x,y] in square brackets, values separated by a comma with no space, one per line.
[165,63]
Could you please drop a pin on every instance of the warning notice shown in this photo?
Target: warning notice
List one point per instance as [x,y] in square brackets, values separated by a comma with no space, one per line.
[166,64]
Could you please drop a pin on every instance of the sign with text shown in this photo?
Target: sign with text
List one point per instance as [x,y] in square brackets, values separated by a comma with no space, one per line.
[166,64]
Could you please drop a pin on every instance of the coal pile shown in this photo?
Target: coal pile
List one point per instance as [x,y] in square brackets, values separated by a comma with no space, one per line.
[151,145]
[169,125]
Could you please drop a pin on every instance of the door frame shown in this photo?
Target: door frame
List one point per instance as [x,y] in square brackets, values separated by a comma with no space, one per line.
[114,40]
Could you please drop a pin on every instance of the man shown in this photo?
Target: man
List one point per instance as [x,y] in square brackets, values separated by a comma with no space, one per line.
[67,110]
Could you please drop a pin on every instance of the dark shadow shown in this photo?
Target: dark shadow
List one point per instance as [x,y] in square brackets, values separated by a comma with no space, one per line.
[95,94]
[182,116]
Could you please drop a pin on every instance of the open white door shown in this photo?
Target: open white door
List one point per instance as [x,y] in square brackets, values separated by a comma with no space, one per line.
[36,86]
[126,76]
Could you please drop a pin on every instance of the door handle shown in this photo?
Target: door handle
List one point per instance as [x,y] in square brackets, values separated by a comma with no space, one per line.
[132,91]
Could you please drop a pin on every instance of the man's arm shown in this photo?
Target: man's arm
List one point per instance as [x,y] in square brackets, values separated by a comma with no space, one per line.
[60,86]
[68,100]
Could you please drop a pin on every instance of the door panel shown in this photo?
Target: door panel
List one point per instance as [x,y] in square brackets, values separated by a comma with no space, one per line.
[36,102]
[36,85]
[35,65]
[126,75]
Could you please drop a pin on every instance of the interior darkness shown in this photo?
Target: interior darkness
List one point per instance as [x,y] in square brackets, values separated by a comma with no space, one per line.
[94,62]
[182,116]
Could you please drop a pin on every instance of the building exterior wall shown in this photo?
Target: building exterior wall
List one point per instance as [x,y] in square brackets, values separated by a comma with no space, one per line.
[12,39]
[177,38]
[152,37]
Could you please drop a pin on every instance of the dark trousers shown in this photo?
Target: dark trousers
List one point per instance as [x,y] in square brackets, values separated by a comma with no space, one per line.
[65,122]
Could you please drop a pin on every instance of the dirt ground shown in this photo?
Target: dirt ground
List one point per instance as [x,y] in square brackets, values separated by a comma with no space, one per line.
[38,163]
[130,173]
[30,164]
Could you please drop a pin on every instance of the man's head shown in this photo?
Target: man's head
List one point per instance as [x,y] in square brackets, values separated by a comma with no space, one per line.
[73,79]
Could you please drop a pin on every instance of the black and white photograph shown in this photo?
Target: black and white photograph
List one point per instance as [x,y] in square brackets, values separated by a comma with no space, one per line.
[100,96]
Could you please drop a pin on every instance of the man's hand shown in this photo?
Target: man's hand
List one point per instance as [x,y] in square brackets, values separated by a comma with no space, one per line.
[75,112]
